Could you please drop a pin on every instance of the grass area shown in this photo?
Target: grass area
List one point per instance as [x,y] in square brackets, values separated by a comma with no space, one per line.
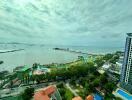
[76,63]
[68,94]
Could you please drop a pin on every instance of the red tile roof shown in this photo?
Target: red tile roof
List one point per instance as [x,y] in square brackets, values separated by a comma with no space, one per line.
[49,90]
[77,98]
[90,97]
[41,96]
[45,93]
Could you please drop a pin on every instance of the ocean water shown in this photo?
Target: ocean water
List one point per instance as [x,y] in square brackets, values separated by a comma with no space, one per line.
[43,54]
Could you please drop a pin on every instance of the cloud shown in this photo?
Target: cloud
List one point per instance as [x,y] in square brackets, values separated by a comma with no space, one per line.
[65,21]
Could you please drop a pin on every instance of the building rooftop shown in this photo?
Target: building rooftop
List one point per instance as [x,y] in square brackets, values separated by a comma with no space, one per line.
[45,93]
[25,68]
[41,70]
[49,90]
[41,96]
[21,68]
[106,66]
[77,98]
[90,97]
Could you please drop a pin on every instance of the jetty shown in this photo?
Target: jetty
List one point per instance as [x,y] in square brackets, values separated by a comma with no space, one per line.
[74,51]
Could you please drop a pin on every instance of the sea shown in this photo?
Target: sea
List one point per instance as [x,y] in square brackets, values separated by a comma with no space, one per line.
[44,54]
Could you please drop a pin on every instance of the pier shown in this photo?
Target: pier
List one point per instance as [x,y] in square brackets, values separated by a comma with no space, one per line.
[77,52]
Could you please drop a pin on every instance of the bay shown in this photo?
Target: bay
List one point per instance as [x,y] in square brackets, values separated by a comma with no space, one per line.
[44,54]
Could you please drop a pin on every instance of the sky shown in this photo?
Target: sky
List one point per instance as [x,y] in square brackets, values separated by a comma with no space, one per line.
[66,22]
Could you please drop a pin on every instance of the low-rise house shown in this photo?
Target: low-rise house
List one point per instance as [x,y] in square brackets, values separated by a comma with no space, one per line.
[41,70]
[90,97]
[77,98]
[48,93]
[23,73]
[106,66]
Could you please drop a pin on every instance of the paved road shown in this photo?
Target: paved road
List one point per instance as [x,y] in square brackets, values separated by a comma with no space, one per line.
[18,90]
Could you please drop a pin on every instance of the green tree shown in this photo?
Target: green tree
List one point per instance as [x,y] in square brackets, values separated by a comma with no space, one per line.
[72,82]
[118,98]
[35,65]
[108,57]
[99,61]
[28,94]
[109,87]
[96,82]
[114,59]
[103,78]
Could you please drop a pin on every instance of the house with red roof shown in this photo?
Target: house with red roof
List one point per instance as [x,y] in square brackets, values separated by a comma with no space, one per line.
[48,93]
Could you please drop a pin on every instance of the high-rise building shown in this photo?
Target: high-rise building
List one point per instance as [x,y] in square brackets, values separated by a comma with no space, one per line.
[126,73]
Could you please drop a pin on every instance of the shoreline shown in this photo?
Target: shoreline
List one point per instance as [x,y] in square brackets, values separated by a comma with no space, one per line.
[26,58]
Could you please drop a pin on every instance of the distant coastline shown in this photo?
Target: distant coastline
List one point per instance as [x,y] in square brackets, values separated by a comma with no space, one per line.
[11,51]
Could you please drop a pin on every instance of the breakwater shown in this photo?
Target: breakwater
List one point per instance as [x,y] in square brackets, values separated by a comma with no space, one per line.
[11,51]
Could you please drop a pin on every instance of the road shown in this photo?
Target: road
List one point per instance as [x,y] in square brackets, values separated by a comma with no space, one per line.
[18,90]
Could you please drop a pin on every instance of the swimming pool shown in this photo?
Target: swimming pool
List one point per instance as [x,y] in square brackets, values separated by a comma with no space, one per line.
[97,97]
[124,94]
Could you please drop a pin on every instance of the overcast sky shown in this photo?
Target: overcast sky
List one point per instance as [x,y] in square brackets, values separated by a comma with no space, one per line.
[66,22]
